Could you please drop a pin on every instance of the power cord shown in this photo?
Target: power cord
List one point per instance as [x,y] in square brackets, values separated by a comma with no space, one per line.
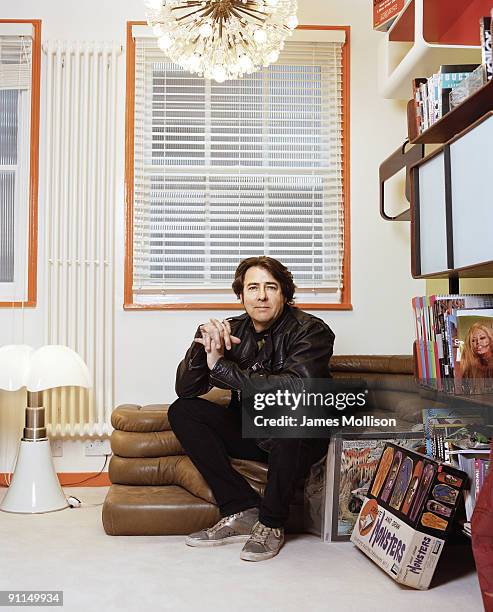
[73,484]
[75,502]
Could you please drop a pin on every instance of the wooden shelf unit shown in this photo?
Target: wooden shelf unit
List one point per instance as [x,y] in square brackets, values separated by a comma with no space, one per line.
[444,252]
[457,120]
[456,185]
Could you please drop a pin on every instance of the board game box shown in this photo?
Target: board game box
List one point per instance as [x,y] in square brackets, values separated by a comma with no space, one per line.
[408,514]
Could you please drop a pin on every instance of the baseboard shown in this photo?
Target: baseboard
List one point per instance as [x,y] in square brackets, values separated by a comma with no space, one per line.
[75,479]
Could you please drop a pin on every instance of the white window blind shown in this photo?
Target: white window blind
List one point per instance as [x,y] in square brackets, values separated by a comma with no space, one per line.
[15,98]
[225,171]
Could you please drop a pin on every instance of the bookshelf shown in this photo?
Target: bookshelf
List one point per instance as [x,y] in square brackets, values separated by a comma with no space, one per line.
[455,121]
[451,214]
[426,34]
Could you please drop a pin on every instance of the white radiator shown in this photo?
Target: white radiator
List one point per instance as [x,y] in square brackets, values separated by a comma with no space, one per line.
[79,226]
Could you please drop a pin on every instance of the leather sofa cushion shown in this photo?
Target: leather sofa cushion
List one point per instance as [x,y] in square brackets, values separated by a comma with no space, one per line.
[134,417]
[179,470]
[168,510]
[145,444]
[160,471]
[154,417]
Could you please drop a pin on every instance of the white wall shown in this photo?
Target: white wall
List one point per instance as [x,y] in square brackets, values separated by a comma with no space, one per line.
[149,344]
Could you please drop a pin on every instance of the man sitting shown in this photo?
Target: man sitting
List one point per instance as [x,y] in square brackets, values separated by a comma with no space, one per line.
[272,344]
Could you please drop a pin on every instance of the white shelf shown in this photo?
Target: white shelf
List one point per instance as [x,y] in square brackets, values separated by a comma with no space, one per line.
[405,53]
[470,451]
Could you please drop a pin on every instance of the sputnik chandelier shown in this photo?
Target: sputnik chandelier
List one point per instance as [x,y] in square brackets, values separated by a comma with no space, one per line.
[222,39]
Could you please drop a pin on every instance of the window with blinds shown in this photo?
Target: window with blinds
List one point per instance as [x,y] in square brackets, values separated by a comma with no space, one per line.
[15,128]
[225,171]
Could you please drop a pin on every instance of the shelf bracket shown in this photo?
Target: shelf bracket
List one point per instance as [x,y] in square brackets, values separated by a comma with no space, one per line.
[399,159]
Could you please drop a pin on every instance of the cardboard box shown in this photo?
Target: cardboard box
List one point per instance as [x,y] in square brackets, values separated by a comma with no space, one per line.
[352,460]
[385,12]
[408,514]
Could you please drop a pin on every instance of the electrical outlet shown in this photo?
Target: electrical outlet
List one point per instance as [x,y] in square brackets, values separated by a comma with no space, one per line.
[98,447]
[56,448]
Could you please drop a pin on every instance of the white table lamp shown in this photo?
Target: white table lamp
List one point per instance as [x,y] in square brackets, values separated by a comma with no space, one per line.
[35,486]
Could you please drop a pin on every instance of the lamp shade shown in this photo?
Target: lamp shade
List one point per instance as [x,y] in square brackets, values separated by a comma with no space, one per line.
[54,365]
[50,366]
[15,360]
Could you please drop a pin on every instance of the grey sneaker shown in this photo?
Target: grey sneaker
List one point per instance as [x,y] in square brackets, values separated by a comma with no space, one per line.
[264,543]
[234,528]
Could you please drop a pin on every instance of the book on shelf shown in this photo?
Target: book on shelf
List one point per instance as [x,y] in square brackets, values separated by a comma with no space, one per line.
[434,96]
[444,426]
[474,81]
[351,463]
[385,12]
[476,467]
[418,103]
[431,96]
[485,36]
[448,327]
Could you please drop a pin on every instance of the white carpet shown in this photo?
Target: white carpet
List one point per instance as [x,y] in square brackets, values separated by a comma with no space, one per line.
[69,551]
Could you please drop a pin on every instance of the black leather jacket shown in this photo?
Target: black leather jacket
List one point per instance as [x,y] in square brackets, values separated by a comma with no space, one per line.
[297,346]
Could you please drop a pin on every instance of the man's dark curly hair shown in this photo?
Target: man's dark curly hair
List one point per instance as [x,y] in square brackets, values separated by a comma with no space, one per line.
[279,271]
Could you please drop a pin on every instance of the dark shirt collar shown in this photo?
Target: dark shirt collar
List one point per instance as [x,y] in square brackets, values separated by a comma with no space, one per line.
[274,327]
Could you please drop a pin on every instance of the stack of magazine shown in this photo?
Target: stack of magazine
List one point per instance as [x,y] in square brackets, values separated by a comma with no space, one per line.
[461,437]
[454,342]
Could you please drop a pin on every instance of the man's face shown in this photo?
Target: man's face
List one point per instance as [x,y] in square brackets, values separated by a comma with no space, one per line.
[262,297]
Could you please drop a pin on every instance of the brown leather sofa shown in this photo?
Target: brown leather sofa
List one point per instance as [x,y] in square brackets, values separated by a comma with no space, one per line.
[156,490]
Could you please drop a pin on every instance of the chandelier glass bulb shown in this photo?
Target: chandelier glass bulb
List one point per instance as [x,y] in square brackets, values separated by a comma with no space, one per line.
[222,39]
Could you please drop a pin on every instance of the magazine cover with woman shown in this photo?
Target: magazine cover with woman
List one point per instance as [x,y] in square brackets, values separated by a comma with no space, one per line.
[473,351]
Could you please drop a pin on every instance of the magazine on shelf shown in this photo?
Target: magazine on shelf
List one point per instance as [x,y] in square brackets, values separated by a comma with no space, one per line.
[437,338]
[472,344]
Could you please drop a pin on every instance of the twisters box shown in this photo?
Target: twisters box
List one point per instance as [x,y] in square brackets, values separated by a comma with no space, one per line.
[407,514]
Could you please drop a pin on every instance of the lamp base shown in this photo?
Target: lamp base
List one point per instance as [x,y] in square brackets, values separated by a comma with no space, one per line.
[35,487]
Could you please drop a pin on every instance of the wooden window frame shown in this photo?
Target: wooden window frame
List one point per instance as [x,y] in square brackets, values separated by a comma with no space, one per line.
[32,217]
[128,303]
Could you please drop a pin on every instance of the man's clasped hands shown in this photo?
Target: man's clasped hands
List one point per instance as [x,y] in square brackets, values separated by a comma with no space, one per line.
[216,337]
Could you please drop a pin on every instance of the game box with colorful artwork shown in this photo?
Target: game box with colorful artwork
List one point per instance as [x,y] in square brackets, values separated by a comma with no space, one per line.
[408,513]
[351,463]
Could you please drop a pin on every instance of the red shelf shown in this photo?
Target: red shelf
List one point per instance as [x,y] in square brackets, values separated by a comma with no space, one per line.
[445,22]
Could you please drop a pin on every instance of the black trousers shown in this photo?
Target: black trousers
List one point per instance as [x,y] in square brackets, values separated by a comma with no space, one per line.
[210,434]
